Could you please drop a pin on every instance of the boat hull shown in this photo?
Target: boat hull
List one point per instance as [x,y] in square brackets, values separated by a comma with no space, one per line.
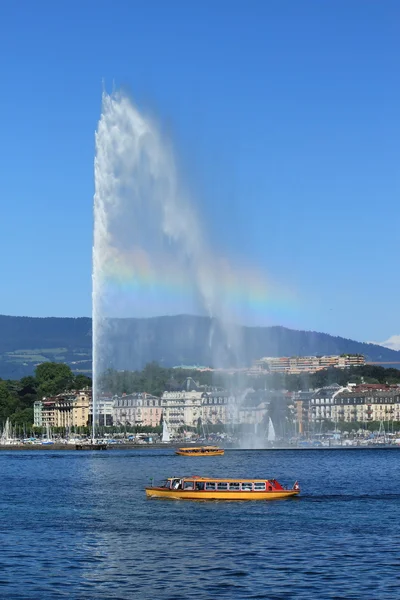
[154,492]
[216,453]
[90,446]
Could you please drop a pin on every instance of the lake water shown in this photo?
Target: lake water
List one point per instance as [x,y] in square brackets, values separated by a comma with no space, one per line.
[77,525]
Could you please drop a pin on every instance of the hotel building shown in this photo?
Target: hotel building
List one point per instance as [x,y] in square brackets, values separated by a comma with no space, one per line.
[64,410]
[137,409]
[321,403]
[364,406]
[308,364]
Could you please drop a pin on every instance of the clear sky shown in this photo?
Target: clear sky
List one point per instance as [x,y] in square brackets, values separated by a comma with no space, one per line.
[285,119]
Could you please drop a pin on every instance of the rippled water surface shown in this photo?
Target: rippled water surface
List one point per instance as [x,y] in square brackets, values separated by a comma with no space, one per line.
[78,525]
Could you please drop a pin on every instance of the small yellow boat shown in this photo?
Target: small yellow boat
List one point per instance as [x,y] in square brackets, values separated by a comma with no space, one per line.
[206,488]
[200,451]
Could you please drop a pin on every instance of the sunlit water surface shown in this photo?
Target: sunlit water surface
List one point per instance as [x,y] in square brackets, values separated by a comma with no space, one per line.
[78,525]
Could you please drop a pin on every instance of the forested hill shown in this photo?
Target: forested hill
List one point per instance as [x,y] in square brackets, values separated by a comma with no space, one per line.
[28,341]
[170,341]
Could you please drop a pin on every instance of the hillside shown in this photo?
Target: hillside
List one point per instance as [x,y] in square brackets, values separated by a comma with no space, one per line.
[177,340]
[27,341]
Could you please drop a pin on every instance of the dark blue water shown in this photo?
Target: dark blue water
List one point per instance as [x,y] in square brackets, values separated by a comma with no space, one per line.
[78,525]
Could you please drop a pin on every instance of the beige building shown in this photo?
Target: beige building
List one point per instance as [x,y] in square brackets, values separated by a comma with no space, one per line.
[363,406]
[64,410]
[81,407]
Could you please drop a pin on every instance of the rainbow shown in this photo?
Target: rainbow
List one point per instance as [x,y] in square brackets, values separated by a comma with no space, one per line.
[134,282]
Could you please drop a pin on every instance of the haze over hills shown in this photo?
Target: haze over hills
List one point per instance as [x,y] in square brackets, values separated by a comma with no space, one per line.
[170,341]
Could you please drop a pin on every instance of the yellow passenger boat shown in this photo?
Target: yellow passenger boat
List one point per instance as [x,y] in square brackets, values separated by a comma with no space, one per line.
[200,451]
[211,488]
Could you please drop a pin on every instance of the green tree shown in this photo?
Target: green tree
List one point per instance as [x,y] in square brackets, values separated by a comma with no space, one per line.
[53,378]
[8,401]
[82,381]
[22,417]
[27,390]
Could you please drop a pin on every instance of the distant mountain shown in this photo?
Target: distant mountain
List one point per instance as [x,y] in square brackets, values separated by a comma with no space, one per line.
[170,341]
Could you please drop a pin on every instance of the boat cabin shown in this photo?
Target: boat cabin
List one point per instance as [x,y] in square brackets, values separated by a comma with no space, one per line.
[203,484]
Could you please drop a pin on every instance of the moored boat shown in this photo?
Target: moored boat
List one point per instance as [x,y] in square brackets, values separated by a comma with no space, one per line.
[200,451]
[90,446]
[207,488]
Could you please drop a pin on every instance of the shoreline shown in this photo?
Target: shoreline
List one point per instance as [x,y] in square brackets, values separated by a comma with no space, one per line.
[71,448]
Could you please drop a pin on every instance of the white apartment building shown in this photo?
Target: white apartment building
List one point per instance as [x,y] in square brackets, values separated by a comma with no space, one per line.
[182,409]
[322,402]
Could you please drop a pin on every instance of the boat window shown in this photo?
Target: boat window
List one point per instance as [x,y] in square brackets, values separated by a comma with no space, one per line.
[259,486]
[210,485]
[234,486]
[247,486]
[188,485]
[222,486]
[200,485]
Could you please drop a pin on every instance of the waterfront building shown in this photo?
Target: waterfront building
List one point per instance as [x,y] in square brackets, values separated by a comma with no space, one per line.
[137,409]
[104,410]
[81,407]
[301,404]
[253,408]
[37,413]
[218,407]
[321,403]
[253,415]
[369,405]
[70,409]
[183,408]
[46,410]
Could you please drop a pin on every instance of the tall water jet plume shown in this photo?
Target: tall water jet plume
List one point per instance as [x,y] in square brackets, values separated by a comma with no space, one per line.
[146,234]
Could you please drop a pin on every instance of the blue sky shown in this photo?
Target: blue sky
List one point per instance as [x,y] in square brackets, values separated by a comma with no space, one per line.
[285,119]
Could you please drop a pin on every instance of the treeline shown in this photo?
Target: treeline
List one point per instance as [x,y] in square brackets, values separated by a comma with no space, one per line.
[154,379]
[17,396]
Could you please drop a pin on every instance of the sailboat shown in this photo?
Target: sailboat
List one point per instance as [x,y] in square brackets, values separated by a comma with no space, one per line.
[271,431]
[47,440]
[381,437]
[165,433]
[6,437]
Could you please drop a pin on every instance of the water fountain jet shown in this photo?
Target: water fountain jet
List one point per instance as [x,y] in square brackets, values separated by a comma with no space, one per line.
[145,226]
